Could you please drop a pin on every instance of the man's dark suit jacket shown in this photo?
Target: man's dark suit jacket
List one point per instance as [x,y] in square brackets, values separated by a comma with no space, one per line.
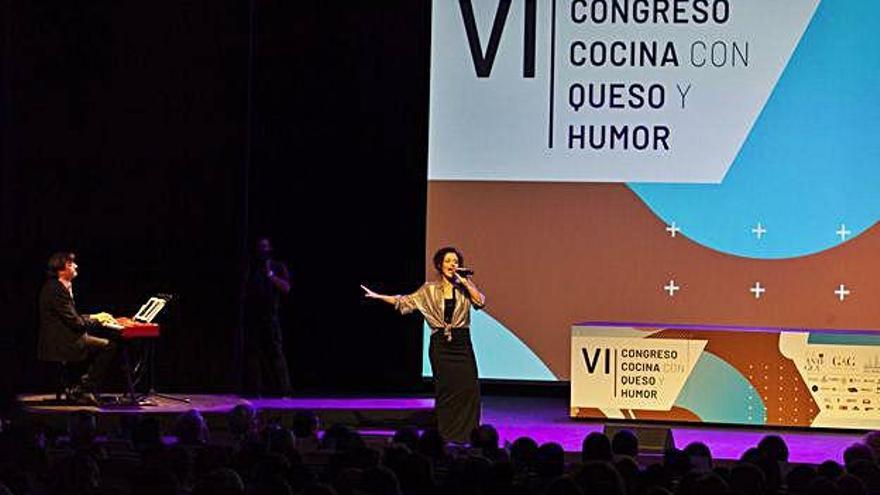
[61,327]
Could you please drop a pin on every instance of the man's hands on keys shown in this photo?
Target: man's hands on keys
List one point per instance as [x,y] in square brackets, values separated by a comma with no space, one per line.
[107,320]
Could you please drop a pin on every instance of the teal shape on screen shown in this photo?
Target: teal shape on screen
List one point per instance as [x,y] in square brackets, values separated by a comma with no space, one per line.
[500,354]
[718,393]
[811,161]
[830,338]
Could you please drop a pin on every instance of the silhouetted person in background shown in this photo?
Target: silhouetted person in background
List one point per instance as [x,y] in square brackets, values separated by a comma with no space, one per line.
[265,282]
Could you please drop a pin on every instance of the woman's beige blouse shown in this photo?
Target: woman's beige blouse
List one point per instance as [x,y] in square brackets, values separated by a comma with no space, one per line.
[428,300]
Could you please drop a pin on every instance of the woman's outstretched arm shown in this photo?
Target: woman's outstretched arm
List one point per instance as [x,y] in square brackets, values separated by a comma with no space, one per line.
[382,297]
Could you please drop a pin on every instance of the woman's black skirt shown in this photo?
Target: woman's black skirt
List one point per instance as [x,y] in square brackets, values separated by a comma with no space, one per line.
[457,402]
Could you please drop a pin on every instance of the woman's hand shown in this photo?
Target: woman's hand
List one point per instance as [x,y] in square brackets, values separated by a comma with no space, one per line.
[473,293]
[382,297]
[369,293]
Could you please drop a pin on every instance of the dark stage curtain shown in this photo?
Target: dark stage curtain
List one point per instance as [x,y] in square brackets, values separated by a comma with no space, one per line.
[157,139]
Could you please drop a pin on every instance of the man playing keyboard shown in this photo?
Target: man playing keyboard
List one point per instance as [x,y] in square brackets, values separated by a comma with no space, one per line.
[68,337]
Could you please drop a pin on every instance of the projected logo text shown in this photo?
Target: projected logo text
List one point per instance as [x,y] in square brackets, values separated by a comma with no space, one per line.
[601,91]
[591,362]
[483,61]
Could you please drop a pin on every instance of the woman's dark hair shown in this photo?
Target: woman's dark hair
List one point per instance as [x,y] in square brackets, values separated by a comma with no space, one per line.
[442,252]
[59,260]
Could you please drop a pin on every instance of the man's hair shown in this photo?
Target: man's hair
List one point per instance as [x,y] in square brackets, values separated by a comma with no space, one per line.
[57,262]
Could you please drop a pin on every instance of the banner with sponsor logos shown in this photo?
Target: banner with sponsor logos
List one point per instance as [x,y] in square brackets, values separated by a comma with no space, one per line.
[726,374]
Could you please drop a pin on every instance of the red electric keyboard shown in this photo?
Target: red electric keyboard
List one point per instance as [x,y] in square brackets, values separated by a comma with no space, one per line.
[131,329]
[140,326]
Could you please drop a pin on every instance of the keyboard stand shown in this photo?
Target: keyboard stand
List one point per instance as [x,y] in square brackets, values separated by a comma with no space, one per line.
[151,392]
[132,399]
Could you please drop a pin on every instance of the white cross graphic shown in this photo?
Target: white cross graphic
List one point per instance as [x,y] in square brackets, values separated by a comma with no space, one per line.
[843,232]
[673,229]
[671,288]
[759,230]
[842,292]
[758,290]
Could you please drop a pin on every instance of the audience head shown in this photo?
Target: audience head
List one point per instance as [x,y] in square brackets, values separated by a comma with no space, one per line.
[747,479]
[700,455]
[472,473]
[867,471]
[822,485]
[242,420]
[432,444]
[676,462]
[305,424]
[596,447]
[799,478]
[563,485]
[774,448]
[857,452]
[625,442]
[82,427]
[146,434]
[523,452]
[830,469]
[550,460]
[751,455]
[656,475]
[396,455]
[342,438]
[851,485]
[190,428]
[872,439]
[408,436]
[279,439]
[600,478]
[710,484]
[485,438]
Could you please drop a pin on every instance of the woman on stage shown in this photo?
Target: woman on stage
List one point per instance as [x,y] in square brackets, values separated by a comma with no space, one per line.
[446,306]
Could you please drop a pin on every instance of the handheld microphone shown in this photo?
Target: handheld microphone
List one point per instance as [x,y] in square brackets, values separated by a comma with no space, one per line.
[464,272]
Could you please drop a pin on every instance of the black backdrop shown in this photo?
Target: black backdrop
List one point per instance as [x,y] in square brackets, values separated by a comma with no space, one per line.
[156,139]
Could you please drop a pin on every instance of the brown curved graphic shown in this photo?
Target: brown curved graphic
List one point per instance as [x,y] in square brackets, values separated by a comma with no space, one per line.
[776,379]
[552,254]
[678,414]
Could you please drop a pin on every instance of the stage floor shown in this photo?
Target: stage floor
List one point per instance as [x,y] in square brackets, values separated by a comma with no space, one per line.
[543,419]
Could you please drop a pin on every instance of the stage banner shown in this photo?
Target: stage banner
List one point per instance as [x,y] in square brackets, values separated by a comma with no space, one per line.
[726,375]
[617,373]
